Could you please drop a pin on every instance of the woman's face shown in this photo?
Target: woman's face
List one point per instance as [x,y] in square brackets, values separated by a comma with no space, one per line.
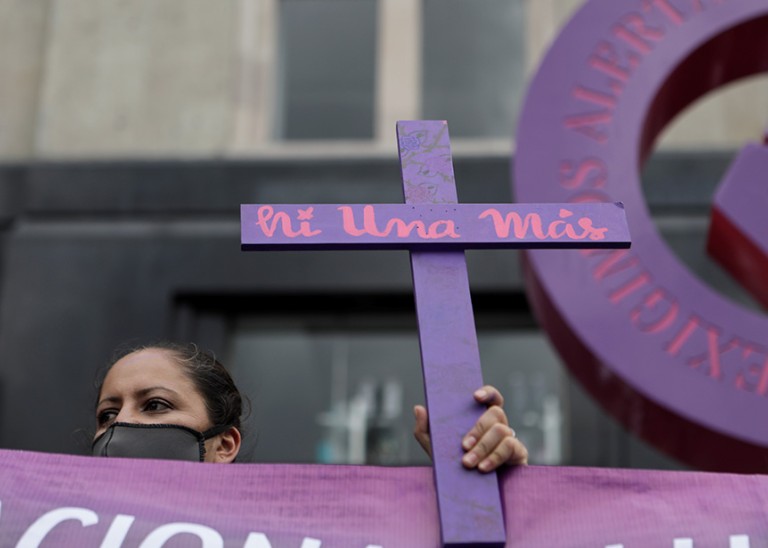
[149,386]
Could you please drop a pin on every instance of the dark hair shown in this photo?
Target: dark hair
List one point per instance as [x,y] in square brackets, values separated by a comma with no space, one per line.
[222,398]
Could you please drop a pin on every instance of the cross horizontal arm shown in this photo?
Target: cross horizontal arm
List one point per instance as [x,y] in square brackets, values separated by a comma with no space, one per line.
[436,226]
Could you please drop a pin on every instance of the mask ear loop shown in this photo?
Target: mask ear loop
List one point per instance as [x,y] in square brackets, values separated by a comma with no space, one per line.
[215,431]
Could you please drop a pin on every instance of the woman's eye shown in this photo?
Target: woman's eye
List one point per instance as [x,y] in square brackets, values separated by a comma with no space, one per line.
[154,406]
[105,417]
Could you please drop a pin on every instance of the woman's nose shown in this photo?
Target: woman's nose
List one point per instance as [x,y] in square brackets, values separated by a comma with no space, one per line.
[127,414]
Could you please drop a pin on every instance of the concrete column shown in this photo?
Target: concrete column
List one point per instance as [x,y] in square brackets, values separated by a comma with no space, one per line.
[23,33]
[398,65]
[256,102]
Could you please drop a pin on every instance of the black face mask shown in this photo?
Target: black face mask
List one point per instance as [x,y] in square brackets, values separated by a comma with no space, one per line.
[154,441]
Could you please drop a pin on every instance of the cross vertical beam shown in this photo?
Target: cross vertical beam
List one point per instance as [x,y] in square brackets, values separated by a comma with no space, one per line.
[469,502]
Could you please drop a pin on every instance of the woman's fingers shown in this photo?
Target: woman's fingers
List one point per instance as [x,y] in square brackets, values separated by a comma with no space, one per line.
[491,442]
[486,444]
[493,416]
[496,447]
[509,451]
[489,395]
[421,428]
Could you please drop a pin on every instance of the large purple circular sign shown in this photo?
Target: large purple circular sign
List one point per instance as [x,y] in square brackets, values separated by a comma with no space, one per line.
[675,361]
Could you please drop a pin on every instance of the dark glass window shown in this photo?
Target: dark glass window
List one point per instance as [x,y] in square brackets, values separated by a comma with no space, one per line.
[474,65]
[327,67]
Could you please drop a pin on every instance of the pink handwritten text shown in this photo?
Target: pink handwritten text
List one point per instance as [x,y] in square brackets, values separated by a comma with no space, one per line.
[269,222]
[435,230]
[532,224]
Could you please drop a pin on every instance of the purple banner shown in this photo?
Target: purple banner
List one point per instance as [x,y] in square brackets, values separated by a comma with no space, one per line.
[58,500]
[458,226]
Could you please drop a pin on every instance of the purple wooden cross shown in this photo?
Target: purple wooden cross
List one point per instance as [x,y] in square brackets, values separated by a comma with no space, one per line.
[437,230]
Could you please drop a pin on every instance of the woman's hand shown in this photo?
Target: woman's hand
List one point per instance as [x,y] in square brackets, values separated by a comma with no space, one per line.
[490,443]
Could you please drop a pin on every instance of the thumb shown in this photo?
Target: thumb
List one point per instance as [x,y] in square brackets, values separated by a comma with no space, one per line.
[421,428]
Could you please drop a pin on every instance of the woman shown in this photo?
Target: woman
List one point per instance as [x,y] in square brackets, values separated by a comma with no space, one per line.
[168,401]
[175,401]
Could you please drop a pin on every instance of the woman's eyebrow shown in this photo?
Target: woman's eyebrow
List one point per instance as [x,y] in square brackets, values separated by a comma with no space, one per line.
[110,399]
[139,393]
[144,391]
